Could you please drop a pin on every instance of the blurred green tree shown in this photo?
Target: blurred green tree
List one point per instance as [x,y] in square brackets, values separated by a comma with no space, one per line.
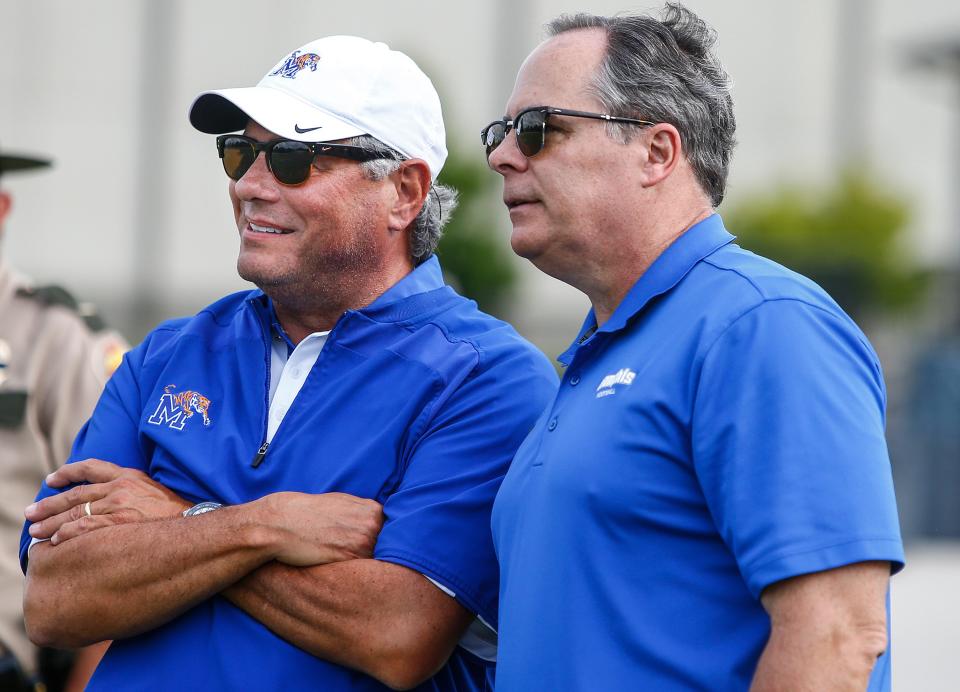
[848,239]
[477,262]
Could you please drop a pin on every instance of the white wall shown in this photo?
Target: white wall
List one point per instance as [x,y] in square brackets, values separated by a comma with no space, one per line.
[110,217]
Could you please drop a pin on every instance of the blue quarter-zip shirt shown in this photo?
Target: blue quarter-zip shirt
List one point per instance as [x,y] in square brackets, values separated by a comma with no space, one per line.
[418,401]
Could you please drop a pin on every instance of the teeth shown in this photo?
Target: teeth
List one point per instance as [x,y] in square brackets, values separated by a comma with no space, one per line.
[265,229]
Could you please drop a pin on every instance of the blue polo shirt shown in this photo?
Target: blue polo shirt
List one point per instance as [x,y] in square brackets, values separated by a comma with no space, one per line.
[722,431]
[418,401]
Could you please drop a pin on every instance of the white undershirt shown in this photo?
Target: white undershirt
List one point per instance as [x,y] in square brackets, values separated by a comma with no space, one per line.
[287,375]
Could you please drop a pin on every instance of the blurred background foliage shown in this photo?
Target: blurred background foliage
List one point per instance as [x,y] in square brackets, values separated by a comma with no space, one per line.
[475,259]
[848,238]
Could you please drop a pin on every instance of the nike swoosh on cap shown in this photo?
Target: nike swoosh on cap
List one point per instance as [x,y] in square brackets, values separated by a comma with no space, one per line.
[301,130]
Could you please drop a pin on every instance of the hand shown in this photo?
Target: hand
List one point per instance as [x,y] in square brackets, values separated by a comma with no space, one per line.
[318,529]
[116,495]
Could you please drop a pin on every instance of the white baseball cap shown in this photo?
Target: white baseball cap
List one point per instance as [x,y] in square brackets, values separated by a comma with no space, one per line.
[333,88]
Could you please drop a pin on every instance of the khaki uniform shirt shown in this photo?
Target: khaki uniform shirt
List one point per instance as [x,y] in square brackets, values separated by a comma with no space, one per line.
[52,370]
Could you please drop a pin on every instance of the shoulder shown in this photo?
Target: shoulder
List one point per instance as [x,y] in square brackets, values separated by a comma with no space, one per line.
[757,279]
[738,285]
[57,303]
[218,324]
[782,327]
[497,343]
[468,352]
[73,329]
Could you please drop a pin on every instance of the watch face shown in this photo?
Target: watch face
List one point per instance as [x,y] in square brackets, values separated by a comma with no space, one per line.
[202,508]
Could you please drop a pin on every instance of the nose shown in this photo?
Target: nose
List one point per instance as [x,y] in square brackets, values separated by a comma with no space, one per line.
[257,182]
[507,155]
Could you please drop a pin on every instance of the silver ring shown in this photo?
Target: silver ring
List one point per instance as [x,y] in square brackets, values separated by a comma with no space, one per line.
[86,509]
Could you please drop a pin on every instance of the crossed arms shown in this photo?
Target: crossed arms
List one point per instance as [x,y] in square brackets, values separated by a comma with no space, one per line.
[285,559]
[296,562]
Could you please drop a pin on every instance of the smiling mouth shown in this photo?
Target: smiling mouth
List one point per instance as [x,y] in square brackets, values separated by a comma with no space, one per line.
[271,230]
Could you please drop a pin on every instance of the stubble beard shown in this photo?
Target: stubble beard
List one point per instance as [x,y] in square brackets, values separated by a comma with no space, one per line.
[320,281]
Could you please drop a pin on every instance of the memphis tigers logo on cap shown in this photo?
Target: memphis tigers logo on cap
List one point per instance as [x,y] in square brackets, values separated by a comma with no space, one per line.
[292,65]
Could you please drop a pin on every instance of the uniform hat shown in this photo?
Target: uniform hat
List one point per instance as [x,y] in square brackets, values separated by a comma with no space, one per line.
[15,162]
[334,88]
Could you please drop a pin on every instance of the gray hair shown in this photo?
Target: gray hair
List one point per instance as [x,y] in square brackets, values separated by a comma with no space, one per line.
[666,71]
[437,207]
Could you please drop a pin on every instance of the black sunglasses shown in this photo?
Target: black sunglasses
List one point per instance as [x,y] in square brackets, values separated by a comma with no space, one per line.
[288,159]
[531,127]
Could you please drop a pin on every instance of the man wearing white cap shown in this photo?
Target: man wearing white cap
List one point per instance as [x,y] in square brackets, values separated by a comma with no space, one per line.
[292,489]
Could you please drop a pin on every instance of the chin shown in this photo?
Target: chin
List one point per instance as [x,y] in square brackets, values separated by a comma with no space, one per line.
[259,273]
[526,244]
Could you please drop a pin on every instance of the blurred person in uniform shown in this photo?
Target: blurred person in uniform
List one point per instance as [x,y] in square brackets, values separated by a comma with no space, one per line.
[707,503]
[292,488]
[55,356]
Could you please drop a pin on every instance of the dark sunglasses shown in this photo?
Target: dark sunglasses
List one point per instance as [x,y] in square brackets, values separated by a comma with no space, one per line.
[531,127]
[288,159]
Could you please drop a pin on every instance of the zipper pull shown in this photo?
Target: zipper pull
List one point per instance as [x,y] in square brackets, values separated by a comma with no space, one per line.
[261,453]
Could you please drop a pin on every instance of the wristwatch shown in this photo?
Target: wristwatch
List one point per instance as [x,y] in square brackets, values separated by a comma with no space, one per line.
[201,508]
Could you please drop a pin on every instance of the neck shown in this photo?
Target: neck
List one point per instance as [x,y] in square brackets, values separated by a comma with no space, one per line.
[303,312]
[630,260]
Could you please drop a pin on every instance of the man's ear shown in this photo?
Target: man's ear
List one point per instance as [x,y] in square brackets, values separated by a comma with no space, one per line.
[6,204]
[412,182]
[664,152]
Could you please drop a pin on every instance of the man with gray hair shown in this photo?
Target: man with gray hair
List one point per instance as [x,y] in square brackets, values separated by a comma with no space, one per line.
[707,502]
[292,489]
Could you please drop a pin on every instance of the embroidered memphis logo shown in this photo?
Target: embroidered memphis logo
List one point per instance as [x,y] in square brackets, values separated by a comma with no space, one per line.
[176,409]
[296,62]
[608,384]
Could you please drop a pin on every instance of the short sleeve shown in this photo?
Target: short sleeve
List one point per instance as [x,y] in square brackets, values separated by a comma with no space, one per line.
[438,520]
[788,444]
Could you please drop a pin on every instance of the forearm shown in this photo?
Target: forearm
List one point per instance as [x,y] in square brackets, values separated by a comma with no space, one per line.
[129,578]
[383,619]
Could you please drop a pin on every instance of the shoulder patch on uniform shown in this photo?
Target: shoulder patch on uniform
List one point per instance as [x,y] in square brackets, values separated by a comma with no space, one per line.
[109,352]
[57,296]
